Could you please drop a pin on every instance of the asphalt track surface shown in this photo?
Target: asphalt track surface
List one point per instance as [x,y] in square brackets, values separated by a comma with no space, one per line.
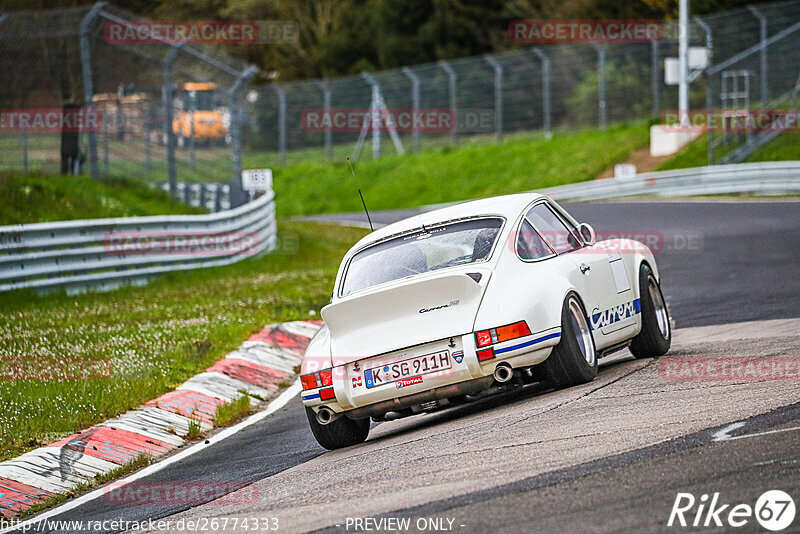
[603,457]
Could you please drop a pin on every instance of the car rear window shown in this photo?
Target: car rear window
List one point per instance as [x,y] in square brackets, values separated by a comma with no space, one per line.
[422,251]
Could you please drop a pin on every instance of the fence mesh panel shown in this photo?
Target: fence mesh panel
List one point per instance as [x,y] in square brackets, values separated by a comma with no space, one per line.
[526,92]
[49,55]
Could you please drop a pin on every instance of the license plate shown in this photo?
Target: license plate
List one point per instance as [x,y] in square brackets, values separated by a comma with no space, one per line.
[412,367]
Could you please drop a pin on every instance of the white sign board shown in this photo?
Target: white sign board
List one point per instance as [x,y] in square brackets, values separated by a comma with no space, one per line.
[624,170]
[698,60]
[698,57]
[257,180]
[671,71]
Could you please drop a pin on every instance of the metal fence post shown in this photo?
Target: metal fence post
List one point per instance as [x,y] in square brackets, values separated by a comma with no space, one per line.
[237,197]
[655,78]
[415,106]
[498,96]
[167,93]
[601,86]
[709,97]
[709,37]
[326,106]
[375,111]
[192,164]
[547,125]
[24,141]
[106,163]
[709,106]
[452,81]
[281,121]
[217,197]
[88,88]
[762,20]
[148,160]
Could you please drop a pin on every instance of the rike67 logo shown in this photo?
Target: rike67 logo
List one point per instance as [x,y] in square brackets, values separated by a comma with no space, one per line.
[774,510]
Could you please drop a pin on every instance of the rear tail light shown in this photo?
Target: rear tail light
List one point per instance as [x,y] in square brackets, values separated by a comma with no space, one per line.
[309,381]
[317,380]
[513,331]
[326,377]
[484,338]
[485,354]
[326,394]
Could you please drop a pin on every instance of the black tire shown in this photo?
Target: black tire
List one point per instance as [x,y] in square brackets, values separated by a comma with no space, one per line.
[342,432]
[656,334]
[567,366]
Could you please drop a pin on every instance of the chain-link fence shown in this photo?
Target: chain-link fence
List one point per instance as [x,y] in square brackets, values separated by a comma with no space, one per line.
[166,110]
[537,89]
[752,94]
[172,112]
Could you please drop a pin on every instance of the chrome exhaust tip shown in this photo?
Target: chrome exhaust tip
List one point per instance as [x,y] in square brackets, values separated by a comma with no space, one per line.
[503,373]
[326,416]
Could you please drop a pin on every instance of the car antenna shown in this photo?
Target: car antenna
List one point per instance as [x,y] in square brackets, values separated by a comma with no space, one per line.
[369,220]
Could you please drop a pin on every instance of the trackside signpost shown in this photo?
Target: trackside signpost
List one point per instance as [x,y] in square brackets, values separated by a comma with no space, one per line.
[257,180]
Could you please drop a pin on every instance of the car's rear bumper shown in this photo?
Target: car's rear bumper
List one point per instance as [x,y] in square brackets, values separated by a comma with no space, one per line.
[378,409]
[466,376]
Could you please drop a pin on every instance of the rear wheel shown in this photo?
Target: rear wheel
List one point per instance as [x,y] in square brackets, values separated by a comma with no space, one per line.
[339,433]
[574,360]
[656,334]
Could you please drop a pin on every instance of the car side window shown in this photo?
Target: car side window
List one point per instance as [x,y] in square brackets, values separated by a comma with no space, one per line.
[530,245]
[554,231]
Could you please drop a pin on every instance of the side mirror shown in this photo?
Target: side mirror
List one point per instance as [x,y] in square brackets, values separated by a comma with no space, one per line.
[587,233]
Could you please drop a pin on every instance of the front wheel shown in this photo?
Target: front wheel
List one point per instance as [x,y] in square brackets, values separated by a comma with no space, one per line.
[574,360]
[656,334]
[339,433]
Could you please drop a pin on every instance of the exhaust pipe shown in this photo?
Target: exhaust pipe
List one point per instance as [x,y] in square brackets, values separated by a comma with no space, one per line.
[326,416]
[503,373]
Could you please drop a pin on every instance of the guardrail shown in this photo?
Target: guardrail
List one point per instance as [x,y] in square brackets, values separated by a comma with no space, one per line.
[766,178]
[210,196]
[104,254]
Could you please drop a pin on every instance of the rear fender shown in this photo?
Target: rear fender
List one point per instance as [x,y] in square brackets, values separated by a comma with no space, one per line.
[318,352]
[531,291]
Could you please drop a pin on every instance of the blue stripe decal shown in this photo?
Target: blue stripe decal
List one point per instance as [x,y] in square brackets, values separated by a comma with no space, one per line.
[527,343]
[312,396]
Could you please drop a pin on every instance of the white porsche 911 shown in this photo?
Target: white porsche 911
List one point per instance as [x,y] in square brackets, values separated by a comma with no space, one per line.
[465,301]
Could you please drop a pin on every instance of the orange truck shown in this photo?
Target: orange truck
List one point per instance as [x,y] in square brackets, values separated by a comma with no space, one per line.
[197,110]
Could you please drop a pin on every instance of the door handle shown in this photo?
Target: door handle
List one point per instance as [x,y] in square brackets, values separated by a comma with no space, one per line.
[585,268]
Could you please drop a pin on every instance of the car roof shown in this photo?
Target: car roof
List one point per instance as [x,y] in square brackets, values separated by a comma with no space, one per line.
[508,206]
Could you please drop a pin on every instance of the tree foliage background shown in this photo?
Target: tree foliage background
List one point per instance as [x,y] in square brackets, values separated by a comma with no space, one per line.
[339,37]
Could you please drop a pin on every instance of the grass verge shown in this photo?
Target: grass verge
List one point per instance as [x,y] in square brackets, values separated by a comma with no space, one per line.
[150,338]
[235,410]
[785,147]
[31,198]
[521,163]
